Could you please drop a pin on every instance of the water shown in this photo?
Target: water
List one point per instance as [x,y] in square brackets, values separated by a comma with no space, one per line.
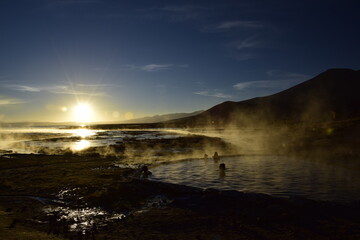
[58,140]
[274,175]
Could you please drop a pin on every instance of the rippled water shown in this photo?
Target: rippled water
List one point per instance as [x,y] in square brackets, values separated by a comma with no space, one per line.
[275,175]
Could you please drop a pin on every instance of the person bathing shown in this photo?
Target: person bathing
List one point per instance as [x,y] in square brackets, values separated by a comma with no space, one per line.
[216,156]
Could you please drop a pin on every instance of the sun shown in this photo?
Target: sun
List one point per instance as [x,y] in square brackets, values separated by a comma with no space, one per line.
[83,112]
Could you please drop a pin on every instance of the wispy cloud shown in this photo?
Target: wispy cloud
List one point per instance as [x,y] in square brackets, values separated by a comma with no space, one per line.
[213,93]
[153,67]
[284,80]
[226,26]
[9,101]
[73,89]
[260,84]
[245,49]
[251,42]
[24,88]
[156,67]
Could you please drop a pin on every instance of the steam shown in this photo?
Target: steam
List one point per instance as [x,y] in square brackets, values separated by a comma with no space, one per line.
[141,146]
[306,124]
[249,130]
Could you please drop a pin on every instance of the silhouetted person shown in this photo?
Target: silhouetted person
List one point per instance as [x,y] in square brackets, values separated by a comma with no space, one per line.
[206,156]
[145,173]
[216,156]
[222,166]
[222,170]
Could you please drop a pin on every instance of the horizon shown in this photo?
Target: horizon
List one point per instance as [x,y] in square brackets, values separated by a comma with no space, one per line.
[80,123]
[107,61]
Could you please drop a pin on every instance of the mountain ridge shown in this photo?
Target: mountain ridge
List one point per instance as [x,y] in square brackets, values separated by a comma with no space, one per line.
[331,95]
[161,117]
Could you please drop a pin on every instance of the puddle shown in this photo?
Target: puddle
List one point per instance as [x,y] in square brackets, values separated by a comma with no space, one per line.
[82,219]
[85,219]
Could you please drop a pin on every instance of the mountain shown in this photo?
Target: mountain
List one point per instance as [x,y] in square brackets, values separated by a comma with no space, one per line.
[162,118]
[332,95]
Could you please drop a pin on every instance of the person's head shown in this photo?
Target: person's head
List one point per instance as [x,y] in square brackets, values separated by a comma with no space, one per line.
[222,166]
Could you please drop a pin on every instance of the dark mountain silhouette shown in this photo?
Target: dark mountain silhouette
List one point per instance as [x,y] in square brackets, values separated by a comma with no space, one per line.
[332,95]
[161,118]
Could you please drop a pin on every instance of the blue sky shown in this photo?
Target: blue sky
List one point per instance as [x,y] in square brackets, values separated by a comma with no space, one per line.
[139,58]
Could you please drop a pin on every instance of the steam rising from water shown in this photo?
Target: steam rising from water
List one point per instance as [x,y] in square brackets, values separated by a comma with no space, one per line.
[44,140]
[135,144]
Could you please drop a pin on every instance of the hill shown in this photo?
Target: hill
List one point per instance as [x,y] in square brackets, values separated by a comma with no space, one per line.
[332,95]
[162,118]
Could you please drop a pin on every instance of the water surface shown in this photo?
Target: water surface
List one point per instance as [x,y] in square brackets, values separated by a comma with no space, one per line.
[275,175]
[56,140]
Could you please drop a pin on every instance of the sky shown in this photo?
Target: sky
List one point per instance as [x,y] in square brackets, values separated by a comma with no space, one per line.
[130,59]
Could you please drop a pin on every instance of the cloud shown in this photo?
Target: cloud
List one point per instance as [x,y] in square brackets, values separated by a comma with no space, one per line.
[73,89]
[9,101]
[226,26]
[284,80]
[259,84]
[250,42]
[24,88]
[76,89]
[153,67]
[213,93]
[156,67]
[245,49]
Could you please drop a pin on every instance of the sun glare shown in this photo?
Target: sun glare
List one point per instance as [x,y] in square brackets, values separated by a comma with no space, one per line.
[81,145]
[83,132]
[83,112]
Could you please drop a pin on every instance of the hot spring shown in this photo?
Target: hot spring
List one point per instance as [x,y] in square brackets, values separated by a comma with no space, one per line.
[274,175]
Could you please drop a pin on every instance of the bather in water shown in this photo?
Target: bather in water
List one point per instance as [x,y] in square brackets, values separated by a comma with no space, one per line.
[145,173]
[216,156]
[222,170]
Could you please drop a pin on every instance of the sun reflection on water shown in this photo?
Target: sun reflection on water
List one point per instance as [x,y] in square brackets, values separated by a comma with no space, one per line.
[81,145]
[83,132]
